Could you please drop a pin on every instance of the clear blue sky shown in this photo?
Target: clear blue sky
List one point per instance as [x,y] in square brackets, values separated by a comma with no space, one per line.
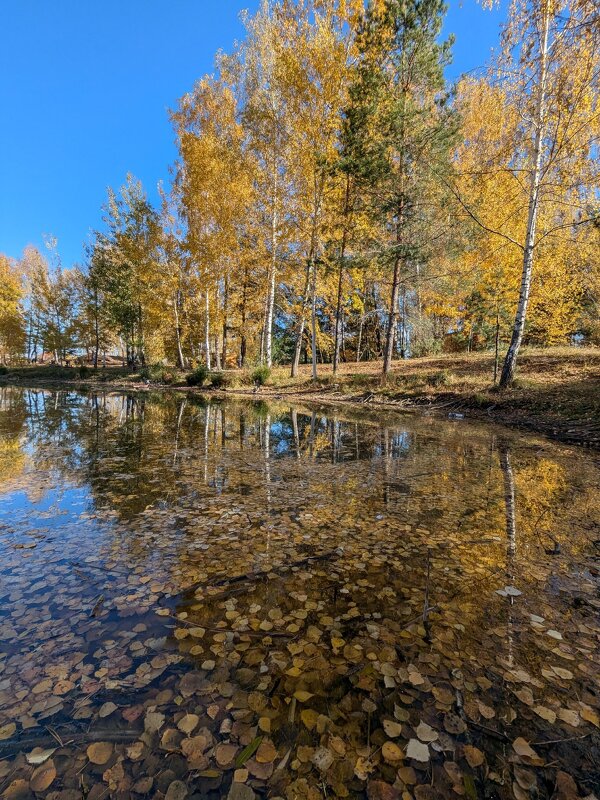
[84,90]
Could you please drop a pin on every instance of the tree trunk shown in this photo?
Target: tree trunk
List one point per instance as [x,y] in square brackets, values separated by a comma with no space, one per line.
[207,331]
[272,279]
[243,342]
[338,304]
[313,319]
[96,330]
[225,331]
[393,316]
[300,331]
[510,362]
[180,358]
[497,345]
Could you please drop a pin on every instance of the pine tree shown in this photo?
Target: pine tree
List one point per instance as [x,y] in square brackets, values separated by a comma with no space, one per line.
[398,132]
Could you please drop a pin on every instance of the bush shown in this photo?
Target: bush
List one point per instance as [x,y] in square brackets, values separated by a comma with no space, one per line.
[441,378]
[167,376]
[197,377]
[219,380]
[84,371]
[3,370]
[426,346]
[261,375]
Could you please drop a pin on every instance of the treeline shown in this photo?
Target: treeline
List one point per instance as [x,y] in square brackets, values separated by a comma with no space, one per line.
[335,199]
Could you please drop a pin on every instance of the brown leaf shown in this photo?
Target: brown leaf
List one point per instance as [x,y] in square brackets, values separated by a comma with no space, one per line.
[266,752]
[43,776]
[566,788]
[474,756]
[100,752]
[380,790]
[522,748]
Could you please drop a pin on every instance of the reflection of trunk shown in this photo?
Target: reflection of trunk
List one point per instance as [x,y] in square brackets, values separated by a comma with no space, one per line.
[182,406]
[295,430]
[267,451]
[510,362]
[509,498]
[206,431]
[313,420]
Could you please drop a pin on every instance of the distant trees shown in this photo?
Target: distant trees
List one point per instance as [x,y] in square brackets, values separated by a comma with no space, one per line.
[334,199]
[12,319]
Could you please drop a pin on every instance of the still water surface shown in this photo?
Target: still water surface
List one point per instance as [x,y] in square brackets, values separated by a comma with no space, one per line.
[203,598]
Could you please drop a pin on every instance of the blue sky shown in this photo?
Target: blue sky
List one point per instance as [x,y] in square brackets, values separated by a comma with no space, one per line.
[84,90]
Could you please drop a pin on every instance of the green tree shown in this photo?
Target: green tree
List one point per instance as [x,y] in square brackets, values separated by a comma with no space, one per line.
[398,133]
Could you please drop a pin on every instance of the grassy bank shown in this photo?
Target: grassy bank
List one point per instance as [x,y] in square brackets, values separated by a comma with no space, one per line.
[557,391]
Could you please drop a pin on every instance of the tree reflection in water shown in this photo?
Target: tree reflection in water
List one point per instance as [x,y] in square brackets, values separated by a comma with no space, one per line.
[193,584]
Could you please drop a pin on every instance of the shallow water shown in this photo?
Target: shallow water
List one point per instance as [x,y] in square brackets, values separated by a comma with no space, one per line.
[304,602]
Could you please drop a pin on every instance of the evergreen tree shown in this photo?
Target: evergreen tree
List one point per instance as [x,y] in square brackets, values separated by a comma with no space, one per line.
[398,134]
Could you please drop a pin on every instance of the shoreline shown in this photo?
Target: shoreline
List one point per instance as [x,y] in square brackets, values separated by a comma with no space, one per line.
[443,404]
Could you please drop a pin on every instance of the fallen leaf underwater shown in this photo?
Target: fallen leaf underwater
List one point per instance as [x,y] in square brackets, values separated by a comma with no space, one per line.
[221,599]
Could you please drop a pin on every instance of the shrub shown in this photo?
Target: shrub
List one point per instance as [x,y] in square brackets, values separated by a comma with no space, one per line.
[219,380]
[84,371]
[261,375]
[3,370]
[197,377]
[441,378]
[167,376]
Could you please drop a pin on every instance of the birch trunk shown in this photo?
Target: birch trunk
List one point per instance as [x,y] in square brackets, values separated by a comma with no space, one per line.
[510,362]
[338,305]
[207,331]
[272,278]
[180,359]
[300,331]
[313,318]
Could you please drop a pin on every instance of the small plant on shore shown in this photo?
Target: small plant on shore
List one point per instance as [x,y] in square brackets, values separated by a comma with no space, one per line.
[441,378]
[84,371]
[3,370]
[219,380]
[197,377]
[260,375]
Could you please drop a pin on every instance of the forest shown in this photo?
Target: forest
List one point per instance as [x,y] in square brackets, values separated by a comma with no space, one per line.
[336,199]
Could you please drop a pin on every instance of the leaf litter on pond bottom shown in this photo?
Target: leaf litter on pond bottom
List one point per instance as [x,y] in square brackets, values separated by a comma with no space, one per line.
[280,636]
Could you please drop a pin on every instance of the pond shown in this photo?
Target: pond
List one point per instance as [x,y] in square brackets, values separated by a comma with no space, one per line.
[206,598]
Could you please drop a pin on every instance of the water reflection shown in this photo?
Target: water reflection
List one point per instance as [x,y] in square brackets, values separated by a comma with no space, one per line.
[288,554]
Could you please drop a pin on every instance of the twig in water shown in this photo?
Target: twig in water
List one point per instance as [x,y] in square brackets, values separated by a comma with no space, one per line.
[426,602]
[559,741]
